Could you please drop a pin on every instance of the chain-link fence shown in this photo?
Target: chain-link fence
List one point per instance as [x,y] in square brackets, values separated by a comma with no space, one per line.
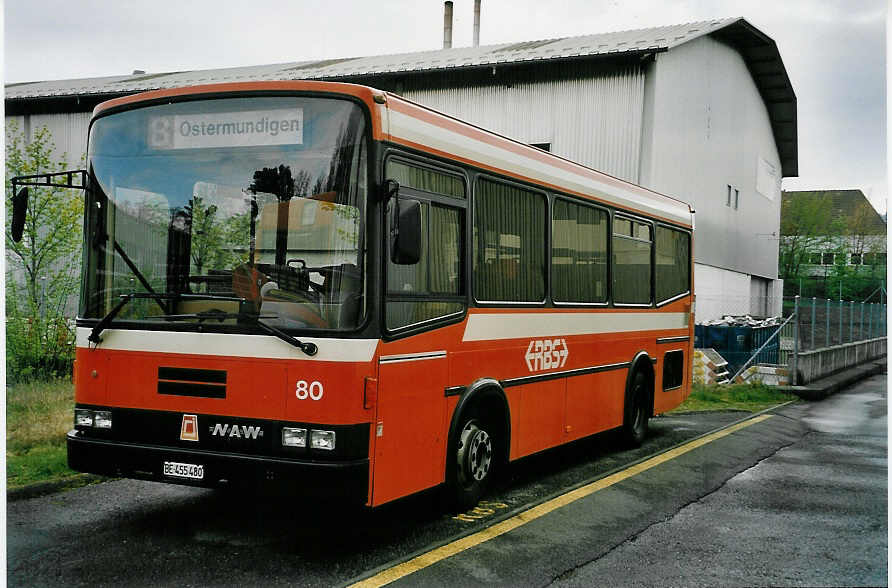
[824,323]
[763,331]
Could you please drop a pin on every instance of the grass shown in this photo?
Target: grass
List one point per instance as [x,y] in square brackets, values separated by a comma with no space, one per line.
[38,414]
[747,397]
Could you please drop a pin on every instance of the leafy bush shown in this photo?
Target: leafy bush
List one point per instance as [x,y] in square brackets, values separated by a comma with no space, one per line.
[42,269]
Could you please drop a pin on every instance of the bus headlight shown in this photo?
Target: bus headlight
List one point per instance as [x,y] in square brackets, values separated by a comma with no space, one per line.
[322,440]
[102,419]
[294,437]
[83,417]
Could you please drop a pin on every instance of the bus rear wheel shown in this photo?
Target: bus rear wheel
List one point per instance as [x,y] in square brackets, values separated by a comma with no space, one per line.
[636,412]
[474,459]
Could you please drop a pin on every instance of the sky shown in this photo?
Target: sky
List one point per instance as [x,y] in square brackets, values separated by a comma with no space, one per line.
[834,50]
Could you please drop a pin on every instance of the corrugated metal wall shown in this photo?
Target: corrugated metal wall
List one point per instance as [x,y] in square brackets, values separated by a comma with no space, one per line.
[592,119]
[68,130]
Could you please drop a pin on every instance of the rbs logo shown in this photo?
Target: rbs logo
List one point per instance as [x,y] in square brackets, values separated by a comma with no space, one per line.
[546,354]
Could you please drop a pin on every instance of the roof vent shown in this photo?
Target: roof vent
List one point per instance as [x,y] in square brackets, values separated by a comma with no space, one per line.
[137,72]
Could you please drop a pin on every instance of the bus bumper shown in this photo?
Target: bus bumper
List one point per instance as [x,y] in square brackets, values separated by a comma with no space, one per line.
[346,480]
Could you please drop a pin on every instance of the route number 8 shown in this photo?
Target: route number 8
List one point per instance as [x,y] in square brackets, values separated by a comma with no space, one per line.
[312,390]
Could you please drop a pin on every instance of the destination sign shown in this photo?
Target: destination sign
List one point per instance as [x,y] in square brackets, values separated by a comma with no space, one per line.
[227,129]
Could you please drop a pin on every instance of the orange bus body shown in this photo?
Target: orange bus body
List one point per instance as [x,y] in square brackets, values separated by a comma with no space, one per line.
[563,369]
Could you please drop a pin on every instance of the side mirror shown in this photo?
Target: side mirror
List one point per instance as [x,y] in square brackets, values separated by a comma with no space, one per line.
[406,232]
[19,209]
[76,179]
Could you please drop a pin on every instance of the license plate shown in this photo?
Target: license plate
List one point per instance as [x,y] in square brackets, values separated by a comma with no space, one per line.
[190,471]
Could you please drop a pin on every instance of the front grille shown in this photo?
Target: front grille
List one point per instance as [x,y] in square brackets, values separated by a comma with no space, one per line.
[192,382]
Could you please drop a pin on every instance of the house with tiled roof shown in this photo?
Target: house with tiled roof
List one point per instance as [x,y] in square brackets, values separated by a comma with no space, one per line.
[828,233]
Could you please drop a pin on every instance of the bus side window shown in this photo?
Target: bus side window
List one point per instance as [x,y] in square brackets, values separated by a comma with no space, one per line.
[673,256]
[632,268]
[427,290]
[579,253]
[509,233]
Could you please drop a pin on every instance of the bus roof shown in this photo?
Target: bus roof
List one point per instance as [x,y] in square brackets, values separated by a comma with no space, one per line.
[402,121]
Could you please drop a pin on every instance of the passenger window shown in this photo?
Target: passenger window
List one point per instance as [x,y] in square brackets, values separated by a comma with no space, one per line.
[631,262]
[579,253]
[509,239]
[673,256]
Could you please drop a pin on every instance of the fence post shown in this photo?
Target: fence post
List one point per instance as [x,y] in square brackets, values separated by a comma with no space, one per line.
[840,322]
[827,325]
[851,321]
[870,322]
[861,328]
[814,303]
[794,376]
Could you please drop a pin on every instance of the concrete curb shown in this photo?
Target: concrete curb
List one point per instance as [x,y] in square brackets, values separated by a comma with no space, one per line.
[44,488]
[821,389]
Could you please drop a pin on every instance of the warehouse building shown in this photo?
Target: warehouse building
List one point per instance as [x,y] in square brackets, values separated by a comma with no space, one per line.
[704,112]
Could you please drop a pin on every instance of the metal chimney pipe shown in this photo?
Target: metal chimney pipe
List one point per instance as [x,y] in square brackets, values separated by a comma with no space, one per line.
[447,25]
[476,23]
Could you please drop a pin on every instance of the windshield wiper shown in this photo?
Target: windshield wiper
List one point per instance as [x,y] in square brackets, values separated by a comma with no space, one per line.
[307,347]
[105,321]
[108,318]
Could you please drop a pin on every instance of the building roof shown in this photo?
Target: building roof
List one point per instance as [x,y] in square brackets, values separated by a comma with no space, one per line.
[844,203]
[758,50]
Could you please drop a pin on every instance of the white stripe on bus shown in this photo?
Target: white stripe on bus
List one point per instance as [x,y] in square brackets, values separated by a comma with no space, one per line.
[229,345]
[488,327]
[418,131]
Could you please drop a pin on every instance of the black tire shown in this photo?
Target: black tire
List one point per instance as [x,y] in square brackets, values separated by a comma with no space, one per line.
[636,411]
[473,459]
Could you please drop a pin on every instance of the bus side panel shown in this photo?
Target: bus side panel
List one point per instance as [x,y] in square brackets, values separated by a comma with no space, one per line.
[410,450]
[665,400]
[594,403]
[320,392]
[540,416]
[91,376]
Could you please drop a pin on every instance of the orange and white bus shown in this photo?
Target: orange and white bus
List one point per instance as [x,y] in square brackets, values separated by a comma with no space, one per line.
[331,288]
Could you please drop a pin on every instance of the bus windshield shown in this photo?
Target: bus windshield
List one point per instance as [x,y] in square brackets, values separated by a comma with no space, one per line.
[229,211]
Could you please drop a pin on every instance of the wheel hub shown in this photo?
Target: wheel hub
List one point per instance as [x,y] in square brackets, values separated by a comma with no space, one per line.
[474,453]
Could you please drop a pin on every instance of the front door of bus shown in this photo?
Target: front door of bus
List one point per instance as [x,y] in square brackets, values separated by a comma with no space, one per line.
[410,434]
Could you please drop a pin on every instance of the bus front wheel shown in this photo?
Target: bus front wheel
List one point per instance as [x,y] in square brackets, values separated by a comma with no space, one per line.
[473,466]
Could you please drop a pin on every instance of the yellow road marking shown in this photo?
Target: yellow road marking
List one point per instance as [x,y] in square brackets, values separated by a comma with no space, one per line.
[431,557]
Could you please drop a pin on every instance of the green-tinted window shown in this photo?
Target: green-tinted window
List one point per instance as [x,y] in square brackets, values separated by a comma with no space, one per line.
[673,256]
[425,179]
[631,262]
[509,243]
[413,289]
[579,253]
[428,289]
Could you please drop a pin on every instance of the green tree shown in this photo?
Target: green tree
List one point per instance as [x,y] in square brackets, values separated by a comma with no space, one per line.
[807,226]
[42,270]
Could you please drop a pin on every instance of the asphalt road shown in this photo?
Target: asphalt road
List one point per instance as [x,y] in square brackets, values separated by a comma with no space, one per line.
[815,513]
[136,533]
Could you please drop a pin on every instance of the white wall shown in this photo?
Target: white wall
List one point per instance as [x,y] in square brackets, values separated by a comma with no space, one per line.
[720,292]
[723,292]
[707,127]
